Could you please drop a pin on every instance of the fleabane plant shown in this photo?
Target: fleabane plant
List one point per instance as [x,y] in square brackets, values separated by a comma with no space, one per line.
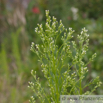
[62,65]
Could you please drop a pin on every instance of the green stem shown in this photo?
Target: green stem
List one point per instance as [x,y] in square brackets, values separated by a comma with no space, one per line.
[80,87]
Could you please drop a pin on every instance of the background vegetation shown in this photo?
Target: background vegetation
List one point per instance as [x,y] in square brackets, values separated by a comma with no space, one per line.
[18,18]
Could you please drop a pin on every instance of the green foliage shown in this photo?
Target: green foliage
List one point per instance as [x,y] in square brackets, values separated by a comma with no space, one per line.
[93,8]
[4,65]
[58,71]
[16,51]
[15,58]
[13,71]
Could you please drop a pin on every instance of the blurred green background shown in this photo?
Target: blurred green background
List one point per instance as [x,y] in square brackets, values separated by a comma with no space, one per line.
[18,19]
